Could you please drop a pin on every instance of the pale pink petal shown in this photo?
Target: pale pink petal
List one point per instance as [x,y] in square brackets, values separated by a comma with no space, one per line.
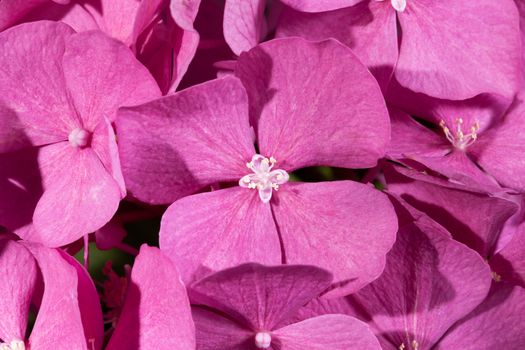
[499,151]
[244,24]
[368,28]
[300,119]
[458,49]
[156,312]
[82,198]
[260,297]
[472,218]
[319,6]
[177,145]
[58,325]
[342,226]
[430,281]
[497,323]
[34,102]
[334,332]
[214,331]
[118,80]
[211,231]
[19,275]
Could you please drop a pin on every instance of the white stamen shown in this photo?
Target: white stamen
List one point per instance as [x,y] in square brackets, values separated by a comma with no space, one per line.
[263,179]
[457,137]
[14,345]
[398,5]
[263,340]
[79,138]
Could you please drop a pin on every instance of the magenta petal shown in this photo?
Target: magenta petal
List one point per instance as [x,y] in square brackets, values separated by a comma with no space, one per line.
[211,231]
[260,297]
[472,218]
[342,226]
[176,145]
[214,331]
[82,197]
[118,80]
[156,313]
[509,262]
[34,103]
[456,61]
[89,305]
[368,28]
[244,24]
[58,324]
[500,150]
[319,6]
[300,118]
[430,281]
[334,332]
[497,323]
[19,275]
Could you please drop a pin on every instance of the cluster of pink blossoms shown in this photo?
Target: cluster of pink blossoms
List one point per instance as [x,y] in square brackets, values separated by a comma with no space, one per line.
[205,115]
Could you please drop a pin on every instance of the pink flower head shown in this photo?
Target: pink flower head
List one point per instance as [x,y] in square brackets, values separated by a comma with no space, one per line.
[156,312]
[432,285]
[183,143]
[159,32]
[444,48]
[59,92]
[468,136]
[251,307]
[68,316]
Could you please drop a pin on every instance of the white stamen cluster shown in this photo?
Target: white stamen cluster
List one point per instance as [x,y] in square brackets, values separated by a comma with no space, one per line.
[79,138]
[264,179]
[398,5]
[14,345]
[263,340]
[457,137]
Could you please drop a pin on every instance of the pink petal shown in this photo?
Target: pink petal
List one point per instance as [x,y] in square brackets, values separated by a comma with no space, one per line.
[368,28]
[58,324]
[212,231]
[334,332]
[34,102]
[118,80]
[454,60]
[499,151]
[260,297]
[509,262]
[11,11]
[19,276]
[342,226]
[430,282]
[290,86]
[473,218]
[497,323]
[82,197]
[319,6]
[215,331]
[244,24]
[89,305]
[177,145]
[156,313]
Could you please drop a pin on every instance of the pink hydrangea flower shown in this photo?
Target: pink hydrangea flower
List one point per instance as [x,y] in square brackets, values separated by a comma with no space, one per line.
[59,93]
[156,312]
[199,137]
[432,295]
[469,136]
[69,315]
[442,48]
[251,307]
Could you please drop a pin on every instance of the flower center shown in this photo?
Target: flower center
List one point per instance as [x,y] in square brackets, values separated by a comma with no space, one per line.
[457,137]
[14,345]
[263,179]
[398,5]
[263,340]
[79,138]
